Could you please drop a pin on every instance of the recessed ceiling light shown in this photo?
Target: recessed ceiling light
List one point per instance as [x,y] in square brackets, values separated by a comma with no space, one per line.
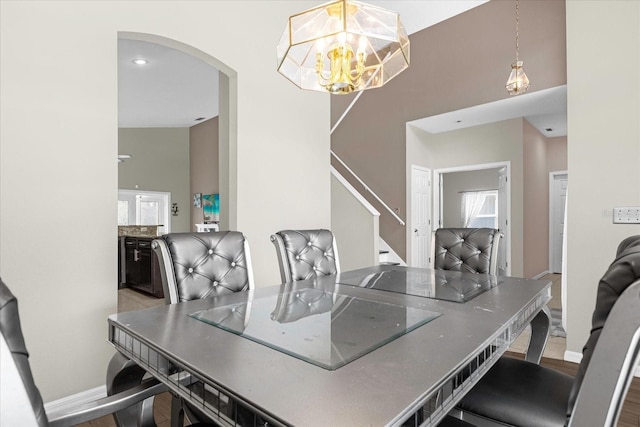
[199,119]
[549,129]
[140,61]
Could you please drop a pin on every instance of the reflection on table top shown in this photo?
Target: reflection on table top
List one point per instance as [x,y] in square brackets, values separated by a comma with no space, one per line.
[439,284]
[321,326]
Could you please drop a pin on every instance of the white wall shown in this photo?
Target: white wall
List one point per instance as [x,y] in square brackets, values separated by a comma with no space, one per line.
[159,162]
[603,65]
[356,228]
[58,70]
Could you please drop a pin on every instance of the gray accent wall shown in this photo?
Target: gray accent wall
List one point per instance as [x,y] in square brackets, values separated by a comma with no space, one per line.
[203,161]
[461,62]
[159,162]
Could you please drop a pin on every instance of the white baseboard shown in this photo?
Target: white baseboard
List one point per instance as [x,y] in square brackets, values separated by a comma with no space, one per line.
[572,356]
[544,273]
[70,402]
[575,357]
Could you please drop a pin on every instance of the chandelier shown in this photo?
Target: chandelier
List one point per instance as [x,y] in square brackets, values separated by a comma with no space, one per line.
[518,81]
[343,46]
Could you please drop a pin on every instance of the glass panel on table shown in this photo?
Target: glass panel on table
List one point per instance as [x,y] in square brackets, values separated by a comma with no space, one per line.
[438,284]
[319,325]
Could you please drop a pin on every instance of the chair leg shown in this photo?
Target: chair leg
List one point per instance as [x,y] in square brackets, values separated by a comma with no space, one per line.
[177,411]
[540,329]
[122,374]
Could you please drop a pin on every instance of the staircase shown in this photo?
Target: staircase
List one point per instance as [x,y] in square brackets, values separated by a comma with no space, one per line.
[355,223]
[388,256]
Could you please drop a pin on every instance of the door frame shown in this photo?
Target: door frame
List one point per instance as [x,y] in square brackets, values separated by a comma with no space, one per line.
[411,221]
[437,191]
[552,177]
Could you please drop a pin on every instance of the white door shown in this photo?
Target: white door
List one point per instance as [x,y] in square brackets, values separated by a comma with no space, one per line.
[557,203]
[503,223]
[420,216]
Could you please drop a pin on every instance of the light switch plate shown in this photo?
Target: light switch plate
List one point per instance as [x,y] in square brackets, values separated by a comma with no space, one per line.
[627,215]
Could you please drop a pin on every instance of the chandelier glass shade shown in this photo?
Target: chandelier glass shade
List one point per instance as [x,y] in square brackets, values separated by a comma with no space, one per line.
[343,46]
[518,81]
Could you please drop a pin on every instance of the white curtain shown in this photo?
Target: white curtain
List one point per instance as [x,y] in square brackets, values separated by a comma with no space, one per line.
[472,203]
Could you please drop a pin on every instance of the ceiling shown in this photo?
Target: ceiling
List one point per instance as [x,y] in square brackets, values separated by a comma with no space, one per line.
[175,89]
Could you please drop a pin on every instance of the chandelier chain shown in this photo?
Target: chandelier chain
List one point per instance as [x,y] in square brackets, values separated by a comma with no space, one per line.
[517,33]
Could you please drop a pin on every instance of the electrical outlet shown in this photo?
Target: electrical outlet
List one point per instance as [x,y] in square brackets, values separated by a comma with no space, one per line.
[628,215]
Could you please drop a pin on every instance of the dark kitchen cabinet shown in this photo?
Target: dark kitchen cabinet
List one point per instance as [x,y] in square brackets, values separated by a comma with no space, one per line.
[142,271]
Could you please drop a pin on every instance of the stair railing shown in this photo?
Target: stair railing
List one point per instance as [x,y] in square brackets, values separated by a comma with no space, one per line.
[368,189]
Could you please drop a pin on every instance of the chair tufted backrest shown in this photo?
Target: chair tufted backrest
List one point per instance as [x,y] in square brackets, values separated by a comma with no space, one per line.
[305,254]
[12,335]
[622,272]
[473,250]
[202,265]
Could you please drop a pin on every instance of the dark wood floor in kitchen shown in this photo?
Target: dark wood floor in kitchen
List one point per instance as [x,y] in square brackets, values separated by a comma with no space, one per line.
[132,300]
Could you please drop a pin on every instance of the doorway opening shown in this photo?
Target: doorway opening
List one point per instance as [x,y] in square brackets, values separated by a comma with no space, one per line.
[173,201]
[489,185]
[226,124]
[558,182]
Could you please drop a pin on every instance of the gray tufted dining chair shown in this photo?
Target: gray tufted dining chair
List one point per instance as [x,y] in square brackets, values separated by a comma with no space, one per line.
[518,393]
[201,265]
[20,400]
[473,250]
[305,254]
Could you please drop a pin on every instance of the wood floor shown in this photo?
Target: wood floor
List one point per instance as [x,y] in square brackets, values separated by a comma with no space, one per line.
[131,300]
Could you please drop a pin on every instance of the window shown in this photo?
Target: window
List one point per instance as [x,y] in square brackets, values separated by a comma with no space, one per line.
[148,211]
[137,207]
[123,212]
[480,209]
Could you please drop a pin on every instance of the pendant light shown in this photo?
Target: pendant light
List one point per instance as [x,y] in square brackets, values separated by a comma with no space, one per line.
[518,81]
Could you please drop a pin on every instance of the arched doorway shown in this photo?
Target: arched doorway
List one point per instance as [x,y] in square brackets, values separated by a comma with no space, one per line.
[163,135]
[227,119]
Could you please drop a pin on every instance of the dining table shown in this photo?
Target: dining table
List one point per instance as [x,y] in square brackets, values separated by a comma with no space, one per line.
[385,345]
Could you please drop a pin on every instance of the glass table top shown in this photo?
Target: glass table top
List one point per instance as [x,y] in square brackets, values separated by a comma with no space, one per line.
[321,326]
[438,284]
